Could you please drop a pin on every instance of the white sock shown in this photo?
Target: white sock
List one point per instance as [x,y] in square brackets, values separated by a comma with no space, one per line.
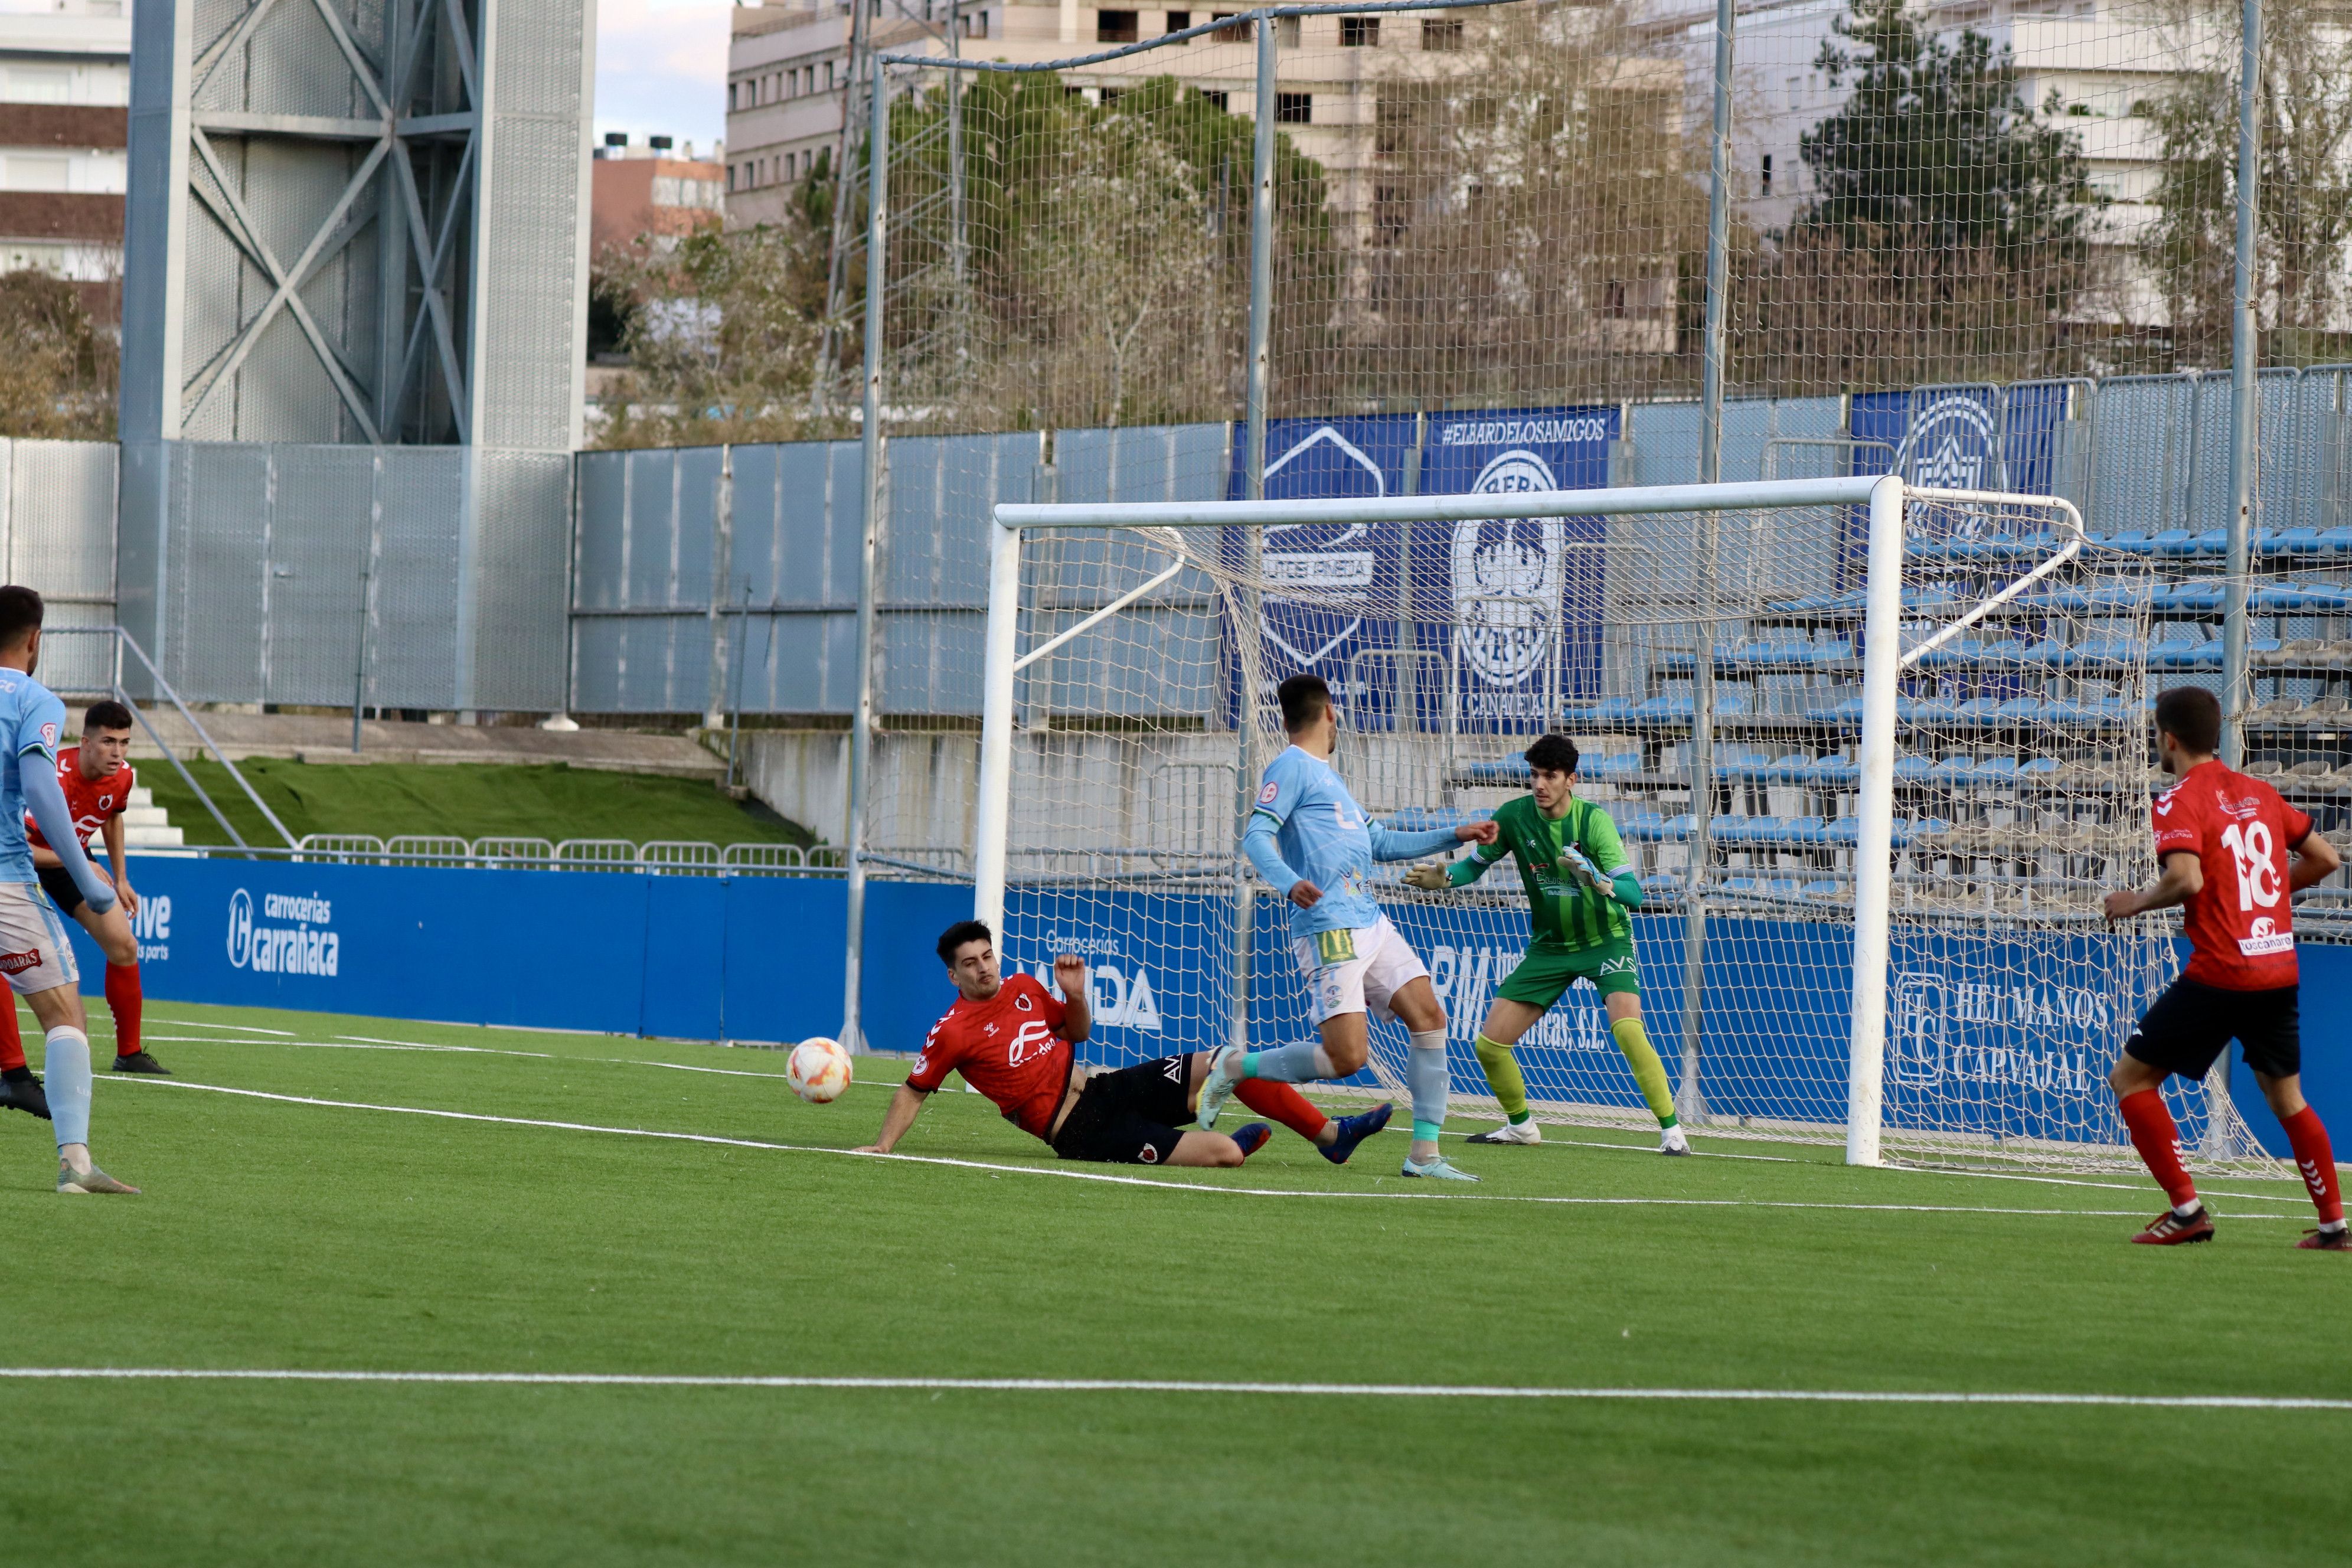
[2187,1211]
[65,1080]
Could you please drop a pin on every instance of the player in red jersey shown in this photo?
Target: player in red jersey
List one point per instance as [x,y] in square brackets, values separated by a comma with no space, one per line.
[2223,839]
[1012,1041]
[98,778]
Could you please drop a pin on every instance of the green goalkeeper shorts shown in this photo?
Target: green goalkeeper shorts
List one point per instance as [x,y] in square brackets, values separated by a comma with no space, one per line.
[1548,971]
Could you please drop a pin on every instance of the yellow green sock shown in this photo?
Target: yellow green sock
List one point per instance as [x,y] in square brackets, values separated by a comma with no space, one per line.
[1502,1076]
[1633,1043]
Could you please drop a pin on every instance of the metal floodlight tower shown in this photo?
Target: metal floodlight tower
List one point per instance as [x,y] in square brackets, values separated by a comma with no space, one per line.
[355,224]
[358,222]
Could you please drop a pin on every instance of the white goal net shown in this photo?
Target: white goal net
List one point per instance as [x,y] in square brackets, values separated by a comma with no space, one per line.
[1876,753]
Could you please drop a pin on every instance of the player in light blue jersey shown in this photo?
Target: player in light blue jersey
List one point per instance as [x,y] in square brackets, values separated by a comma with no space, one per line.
[1311,842]
[33,952]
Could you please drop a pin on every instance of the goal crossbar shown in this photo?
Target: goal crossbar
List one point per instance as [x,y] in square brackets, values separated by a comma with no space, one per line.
[1884,659]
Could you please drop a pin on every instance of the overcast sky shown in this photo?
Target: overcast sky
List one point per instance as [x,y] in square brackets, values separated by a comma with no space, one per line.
[661,69]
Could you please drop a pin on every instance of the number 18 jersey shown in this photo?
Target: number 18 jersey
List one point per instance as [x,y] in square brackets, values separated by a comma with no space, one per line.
[2241,930]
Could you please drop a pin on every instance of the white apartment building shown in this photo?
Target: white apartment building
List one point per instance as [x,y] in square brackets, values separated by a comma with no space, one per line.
[788,65]
[2101,61]
[65,95]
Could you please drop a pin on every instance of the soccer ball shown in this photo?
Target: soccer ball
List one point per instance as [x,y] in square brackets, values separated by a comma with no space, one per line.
[818,1070]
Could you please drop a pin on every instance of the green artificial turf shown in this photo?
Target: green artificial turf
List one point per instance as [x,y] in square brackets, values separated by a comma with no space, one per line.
[286,1235]
[462,800]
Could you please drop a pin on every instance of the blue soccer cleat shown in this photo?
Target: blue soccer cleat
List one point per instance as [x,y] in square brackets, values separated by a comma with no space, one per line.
[1354,1129]
[1252,1138]
[1439,1169]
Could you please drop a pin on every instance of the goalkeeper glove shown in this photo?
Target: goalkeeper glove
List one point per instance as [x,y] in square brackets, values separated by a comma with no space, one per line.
[1582,871]
[1429,876]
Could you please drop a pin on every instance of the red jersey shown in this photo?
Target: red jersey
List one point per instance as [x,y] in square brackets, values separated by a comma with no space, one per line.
[1009,1047]
[2241,930]
[93,801]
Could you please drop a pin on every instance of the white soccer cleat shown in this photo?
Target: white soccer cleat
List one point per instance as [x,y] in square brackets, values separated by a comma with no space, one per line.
[1510,1133]
[1215,1087]
[1438,1169]
[91,1181]
[1672,1141]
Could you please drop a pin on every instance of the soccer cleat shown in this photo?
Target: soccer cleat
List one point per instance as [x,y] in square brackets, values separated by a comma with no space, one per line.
[2168,1229]
[140,1061]
[1252,1138]
[91,1181]
[1354,1129]
[25,1094]
[1439,1169]
[1672,1141]
[2337,1240]
[1216,1086]
[1509,1132]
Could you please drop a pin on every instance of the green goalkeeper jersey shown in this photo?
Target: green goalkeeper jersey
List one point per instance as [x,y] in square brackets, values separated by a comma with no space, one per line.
[1561,911]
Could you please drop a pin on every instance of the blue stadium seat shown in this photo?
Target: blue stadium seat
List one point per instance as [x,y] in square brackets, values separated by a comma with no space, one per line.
[2291,541]
[2334,542]
[1615,765]
[2173,541]
[1995,772]
[1824,888]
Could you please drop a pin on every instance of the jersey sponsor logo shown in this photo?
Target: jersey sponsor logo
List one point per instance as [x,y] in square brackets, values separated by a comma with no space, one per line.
[1623,964]
[1173,1070]
[2264,938]
[1332,947]
[1265,796]
[17,963]
[1034,1038]
[303,947]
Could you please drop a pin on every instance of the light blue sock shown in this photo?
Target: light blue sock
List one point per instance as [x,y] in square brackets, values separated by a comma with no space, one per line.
[65,1077]
[1425,1077]
[1284,1064]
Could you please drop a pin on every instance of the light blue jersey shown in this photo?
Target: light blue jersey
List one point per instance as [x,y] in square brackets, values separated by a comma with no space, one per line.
[1306,826]
[31,719]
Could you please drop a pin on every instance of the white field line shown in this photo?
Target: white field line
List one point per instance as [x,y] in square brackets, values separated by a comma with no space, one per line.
[1173,1385]
[374,1042]
[1113,1179]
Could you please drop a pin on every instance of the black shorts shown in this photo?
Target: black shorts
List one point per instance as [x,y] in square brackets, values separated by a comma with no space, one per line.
[1128,1117]
[2193,1022]
[63,891]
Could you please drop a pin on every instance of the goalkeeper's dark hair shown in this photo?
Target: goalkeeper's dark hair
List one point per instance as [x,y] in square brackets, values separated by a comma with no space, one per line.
[1553,755]
[1305,699]
[2192,716]
[962,931]
[108,715]
[20,615]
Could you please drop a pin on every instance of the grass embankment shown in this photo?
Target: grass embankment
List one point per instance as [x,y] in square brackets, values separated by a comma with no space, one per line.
[468,801]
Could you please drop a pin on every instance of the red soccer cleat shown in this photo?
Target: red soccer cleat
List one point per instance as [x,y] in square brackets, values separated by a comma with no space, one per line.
[2168,1229]
[2337,1240]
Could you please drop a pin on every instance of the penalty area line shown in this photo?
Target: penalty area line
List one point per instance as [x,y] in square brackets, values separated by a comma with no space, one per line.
[1175,1386]
[1110,1178]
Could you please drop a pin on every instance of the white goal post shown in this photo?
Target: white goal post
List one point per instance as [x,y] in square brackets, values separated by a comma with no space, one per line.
[1950,829]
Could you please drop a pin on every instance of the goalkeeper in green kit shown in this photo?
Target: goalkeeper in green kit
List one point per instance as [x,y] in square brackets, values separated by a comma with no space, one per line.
[1579,891]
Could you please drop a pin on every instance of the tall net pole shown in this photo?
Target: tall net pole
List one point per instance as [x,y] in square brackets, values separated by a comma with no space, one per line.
[871,457]
[1710,469]
[2245,351]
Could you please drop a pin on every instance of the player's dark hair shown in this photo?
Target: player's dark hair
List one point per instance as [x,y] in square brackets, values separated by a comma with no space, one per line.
[108,715]
[2192,716]
[1552,754]
[20,614]
[962,931]
[1304,699]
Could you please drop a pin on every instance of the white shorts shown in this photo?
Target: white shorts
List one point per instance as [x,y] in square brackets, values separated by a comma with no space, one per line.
[1356,970]
[34,952]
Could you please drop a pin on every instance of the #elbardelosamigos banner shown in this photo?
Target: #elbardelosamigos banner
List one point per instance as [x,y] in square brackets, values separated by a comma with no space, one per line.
[1494,621]
[1523,595]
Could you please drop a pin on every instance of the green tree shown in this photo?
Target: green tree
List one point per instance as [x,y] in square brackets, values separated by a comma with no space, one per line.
[1946,233]
[58,371]
[2304,218]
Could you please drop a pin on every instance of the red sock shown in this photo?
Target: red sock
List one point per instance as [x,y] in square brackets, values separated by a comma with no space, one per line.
[12,1043]
[2316,1162]
[2159,1142]
[1284,1103]
[122,1000]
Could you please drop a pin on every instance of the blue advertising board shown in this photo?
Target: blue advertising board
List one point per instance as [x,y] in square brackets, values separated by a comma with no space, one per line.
[760,959]
[1501,616]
